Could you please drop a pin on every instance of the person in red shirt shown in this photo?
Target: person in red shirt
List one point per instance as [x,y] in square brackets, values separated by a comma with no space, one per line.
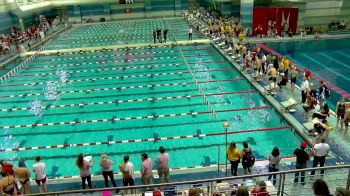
[7,168]
[307,74]
[261,191]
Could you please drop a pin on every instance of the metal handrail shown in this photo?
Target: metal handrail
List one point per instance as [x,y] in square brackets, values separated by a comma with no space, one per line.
[211,180]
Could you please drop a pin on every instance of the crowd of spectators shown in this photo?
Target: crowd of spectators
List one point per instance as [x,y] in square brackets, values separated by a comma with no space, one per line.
[16,40]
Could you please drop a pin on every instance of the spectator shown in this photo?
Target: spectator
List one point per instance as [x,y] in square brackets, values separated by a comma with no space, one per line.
[248,159]
[339,191]
[320,188]
[194,192]
[274,161]
[8,185]
[301,158]
[324,92]
[84,166]
[324,112]
[107,171]
[165,35]
[340,112]
[127,170]
[293,79]
[40,174]
[163,165]
[233,155]
[190,31]
[346,120]
[342,25]
[23,176]
[307,74]
[7,168]
[146,169]
[242,191]
[320,151]
[303,87]
[154,36]
[261,191]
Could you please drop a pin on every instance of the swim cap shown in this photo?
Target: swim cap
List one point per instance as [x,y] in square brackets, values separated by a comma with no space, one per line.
[303,145]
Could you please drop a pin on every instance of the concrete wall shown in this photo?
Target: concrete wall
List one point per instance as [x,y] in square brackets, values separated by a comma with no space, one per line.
[319,12]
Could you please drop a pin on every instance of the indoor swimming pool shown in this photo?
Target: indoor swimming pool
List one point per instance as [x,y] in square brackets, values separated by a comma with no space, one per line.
[130,101]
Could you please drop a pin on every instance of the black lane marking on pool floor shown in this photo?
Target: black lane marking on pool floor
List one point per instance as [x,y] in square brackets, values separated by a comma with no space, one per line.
[125,101]
[123,87]
[145,139]
[120,65]
[124,54]
[135,59]
[104,69]
[129,118]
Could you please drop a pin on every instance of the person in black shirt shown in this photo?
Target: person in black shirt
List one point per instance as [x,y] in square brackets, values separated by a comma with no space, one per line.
[165,33]
[154,36]
[159,31]
[302,158]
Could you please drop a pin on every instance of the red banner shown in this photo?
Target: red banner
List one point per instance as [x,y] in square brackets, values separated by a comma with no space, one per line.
[272,21]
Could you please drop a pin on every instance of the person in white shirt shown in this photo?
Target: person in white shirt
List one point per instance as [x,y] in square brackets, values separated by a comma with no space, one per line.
[127,170]
[304,86]
[190,31]
[39,168]
[320,151]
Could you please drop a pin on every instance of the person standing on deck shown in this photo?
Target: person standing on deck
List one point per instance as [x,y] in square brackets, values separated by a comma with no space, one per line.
[301,158]
[346,120]
[146,169]
[163,165]
[40,174]
[165,34]
[293,78]
[190,31]
[127,170]
[154,36]
[158,31]
[303,87]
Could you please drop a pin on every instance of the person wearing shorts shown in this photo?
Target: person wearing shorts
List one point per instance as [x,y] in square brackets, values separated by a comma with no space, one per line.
[163,165]
[40,174]
[340,112]
[293,78]
[346,120]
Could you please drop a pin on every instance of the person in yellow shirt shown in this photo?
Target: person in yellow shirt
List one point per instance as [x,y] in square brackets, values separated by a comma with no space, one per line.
[233,155]
[285,66]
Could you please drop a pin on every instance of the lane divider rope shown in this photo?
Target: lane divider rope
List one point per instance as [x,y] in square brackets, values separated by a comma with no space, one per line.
[113,120]
[125,101]
[145,139]
[120,88]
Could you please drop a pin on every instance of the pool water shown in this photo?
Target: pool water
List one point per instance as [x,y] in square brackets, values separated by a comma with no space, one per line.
[125,32]
[130,101]
[328,59]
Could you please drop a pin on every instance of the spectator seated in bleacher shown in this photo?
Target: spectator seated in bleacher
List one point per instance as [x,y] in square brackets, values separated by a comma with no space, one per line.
[342,25]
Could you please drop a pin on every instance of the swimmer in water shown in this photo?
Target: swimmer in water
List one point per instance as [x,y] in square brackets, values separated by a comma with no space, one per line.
[238,118]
